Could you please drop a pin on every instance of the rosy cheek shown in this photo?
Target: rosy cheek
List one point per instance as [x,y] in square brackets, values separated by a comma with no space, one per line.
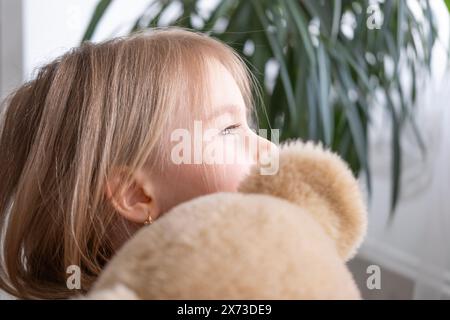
[230,176]
[239,172]
[184,182]
[181,183]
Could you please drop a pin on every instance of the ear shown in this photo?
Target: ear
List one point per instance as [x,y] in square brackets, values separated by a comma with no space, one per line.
[136,200]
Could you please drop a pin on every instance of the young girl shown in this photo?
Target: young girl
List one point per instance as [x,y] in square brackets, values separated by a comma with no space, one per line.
[87,150]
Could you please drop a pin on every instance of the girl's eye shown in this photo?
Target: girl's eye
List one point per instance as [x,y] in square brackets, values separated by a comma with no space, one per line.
[230,129]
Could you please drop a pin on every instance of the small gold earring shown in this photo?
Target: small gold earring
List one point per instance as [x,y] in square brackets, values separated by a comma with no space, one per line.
[148,221]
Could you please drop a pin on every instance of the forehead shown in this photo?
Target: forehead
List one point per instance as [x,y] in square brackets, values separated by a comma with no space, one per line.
[213,90]
[223,109]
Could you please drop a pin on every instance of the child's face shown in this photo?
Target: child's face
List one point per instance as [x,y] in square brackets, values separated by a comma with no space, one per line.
[208,153]
[214,152]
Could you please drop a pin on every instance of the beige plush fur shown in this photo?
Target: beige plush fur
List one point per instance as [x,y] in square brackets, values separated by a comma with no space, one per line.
[285,236]
[321,183]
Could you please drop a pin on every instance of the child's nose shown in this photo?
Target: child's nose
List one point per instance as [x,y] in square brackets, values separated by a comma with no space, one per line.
[263,148]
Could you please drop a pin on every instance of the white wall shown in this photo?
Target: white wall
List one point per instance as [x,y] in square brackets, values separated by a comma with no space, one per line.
[51,27]
[11,45]
[417,242]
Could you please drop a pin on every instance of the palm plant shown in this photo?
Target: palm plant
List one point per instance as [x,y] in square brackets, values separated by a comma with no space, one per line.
[330,57]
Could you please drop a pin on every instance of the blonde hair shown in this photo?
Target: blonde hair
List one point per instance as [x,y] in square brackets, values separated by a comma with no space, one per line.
[97,107]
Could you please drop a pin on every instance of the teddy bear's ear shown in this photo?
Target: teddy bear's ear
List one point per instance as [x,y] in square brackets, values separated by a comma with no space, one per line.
[321,183]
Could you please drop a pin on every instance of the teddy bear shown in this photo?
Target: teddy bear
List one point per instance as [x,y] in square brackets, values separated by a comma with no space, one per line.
[282,236]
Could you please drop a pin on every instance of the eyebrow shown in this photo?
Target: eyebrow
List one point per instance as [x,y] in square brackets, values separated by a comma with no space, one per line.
[226,108]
